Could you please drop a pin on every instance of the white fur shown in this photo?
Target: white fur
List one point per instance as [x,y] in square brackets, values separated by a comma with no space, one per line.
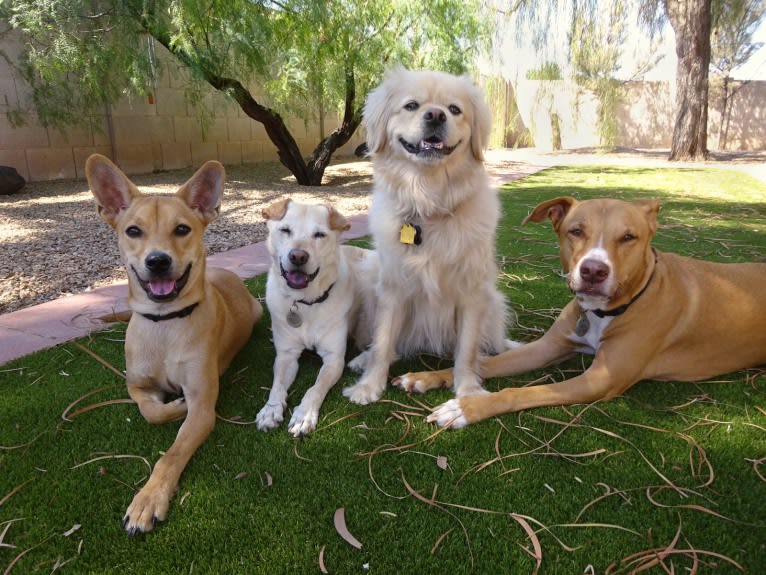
[349,309]
[440,296]
[607,287]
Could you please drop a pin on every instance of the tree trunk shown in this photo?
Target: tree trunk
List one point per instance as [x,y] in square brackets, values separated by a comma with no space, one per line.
[691,21]
[351,119]
[306,174]
[723,133]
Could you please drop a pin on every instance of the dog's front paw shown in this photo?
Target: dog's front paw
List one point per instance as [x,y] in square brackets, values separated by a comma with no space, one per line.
[148,508]
[364,392]
[423,381]
[303,421]
[359,363]
[270,416]
[448,414]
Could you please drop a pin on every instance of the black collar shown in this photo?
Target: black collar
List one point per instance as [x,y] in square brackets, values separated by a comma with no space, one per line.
[180,313]
[623,308]
[320,299]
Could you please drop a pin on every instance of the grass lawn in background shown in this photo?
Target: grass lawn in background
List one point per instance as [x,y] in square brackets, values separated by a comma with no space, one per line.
[671,472]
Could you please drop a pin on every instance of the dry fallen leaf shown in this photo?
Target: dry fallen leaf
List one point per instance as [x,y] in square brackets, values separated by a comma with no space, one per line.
[340,527]
[441,462]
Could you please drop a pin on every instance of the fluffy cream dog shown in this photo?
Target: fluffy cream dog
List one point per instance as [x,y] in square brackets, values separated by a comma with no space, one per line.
[318,293]
[433,218]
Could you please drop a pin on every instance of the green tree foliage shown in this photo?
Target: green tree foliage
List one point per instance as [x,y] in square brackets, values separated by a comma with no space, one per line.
[302,58]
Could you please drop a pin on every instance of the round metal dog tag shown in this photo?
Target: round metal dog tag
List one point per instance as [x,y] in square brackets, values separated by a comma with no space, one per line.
[294,319]
[582,326]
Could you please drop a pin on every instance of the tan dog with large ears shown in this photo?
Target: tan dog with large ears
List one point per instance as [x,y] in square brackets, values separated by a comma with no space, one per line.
[188,322]
[642,313]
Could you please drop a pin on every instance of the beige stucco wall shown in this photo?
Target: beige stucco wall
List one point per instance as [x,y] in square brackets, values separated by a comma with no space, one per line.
[161,132]
[645,115]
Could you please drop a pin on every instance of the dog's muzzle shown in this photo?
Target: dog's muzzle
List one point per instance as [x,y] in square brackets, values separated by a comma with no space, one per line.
[159,287]
[430,148]
[296,278]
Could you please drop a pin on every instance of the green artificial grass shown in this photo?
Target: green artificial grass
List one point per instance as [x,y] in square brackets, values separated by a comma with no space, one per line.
[671,472]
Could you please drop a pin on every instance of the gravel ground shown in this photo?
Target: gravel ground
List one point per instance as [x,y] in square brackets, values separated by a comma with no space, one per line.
[53,244]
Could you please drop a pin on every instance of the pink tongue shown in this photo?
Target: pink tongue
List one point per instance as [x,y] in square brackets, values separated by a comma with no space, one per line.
[162,287]
[297,280]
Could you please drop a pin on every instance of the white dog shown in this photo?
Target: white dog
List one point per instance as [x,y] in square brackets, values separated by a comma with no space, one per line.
[318,292]
[433,218]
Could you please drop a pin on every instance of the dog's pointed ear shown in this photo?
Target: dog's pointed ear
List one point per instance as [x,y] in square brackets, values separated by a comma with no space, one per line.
[338,222]
[202,192]
[112,189]
[481,122]
[276,211]
[554,209]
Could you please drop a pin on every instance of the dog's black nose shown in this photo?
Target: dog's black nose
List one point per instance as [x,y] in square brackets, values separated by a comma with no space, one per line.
[298,257]
[434,117]
[594,271]
[158,262]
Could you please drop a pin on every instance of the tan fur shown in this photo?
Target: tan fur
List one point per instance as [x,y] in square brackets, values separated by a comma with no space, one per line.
[349,273]
[688,320]
[180,357]
[439,296]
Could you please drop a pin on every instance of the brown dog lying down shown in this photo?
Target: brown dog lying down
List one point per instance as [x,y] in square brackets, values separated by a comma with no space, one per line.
[645,314]
[188,323]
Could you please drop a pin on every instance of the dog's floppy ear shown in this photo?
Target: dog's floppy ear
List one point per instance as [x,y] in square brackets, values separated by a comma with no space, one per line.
[651,208]
[554,209]
[481,122]
[111,188]
[277,210]
[202,192]
[338,223]
[377,110]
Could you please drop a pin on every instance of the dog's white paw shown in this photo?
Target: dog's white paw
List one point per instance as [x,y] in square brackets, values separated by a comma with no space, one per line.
[359,363]
[412,382]
[303,421]
[448,414]
[364,393]
[270,416]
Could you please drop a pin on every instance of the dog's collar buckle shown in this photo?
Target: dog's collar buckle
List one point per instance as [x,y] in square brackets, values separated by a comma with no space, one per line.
[173,315]
[411,234]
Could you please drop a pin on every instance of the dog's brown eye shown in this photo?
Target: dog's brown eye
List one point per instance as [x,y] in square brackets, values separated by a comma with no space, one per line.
[627,238]
[576,232]
[454,110]
[319,235]
[411,106]
[287,231]
[182,230]
[133,232]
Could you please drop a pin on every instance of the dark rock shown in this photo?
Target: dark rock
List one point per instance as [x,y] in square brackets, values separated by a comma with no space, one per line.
[10,181]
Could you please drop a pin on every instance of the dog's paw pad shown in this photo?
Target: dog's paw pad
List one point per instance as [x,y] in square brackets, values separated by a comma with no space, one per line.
[270,416]
[448,414]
